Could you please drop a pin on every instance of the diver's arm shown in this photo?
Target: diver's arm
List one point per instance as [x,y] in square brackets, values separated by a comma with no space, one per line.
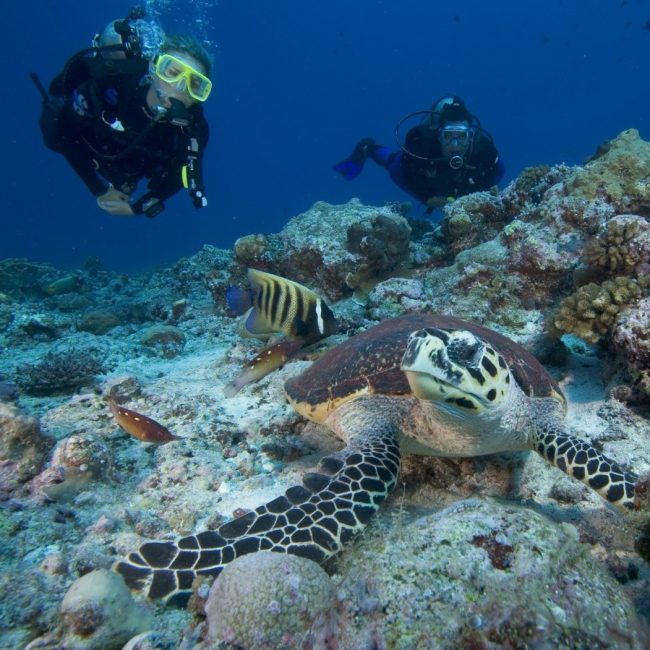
[383,156]
[490,168]
[82,164]
[183,171]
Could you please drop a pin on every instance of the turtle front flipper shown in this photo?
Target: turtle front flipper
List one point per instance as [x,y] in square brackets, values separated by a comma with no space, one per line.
[581,460]
[312,521]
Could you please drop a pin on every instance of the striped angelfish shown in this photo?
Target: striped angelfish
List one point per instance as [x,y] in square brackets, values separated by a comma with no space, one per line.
[277,305]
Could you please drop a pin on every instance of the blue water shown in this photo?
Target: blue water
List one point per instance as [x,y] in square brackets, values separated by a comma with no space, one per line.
[297,83]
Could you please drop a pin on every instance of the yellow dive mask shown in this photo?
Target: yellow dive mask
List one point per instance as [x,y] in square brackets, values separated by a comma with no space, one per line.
[172,70]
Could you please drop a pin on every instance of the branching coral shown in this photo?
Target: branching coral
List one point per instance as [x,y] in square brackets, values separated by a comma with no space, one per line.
[591,311]
[60,371]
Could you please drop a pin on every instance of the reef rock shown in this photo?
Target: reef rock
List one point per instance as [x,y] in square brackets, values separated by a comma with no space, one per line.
[477,574]
[98,613]
[618,173]
[21,442]
[342,248]
[631,338]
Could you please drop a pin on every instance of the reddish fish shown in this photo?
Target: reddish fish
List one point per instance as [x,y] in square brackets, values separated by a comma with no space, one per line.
[140,426]
[270,358]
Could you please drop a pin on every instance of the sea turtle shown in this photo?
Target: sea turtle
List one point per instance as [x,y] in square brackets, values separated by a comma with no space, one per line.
[425,384]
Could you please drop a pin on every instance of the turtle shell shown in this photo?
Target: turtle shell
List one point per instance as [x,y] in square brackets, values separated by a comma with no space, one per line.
[369,363]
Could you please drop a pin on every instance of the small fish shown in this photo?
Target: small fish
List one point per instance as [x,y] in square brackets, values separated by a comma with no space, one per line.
[268,360]
[276,305]
[67,284]
[140,426]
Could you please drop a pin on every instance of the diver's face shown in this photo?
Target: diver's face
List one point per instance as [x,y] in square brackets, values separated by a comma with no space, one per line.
[161,92]
[455,138]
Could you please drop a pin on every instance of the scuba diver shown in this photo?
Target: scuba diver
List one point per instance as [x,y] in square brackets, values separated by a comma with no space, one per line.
[126,110]
[447,155]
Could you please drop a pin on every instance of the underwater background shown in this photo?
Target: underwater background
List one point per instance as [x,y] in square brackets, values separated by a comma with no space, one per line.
[297,84]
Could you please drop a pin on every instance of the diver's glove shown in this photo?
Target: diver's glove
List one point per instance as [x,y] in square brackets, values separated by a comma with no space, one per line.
[351,167]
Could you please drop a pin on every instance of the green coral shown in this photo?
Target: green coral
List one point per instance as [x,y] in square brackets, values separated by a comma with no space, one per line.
[591,311]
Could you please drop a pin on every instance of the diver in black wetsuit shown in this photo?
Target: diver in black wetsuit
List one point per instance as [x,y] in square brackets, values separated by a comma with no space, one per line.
[446,156]
[120,116]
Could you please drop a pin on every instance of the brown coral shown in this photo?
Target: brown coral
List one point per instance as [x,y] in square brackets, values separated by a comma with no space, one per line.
[591,311]
[250,247]
[623,247]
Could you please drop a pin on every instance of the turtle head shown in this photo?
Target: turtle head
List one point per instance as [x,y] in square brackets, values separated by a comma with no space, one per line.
[456,369]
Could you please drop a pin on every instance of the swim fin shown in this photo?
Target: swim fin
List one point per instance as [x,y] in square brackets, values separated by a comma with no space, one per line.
[352,166]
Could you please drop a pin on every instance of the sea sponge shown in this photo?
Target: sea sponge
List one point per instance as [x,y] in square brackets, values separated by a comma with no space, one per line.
[591,311]
[267,600]
[623,246]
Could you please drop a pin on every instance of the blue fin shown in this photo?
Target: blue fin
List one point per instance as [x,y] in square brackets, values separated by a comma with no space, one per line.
[349,169]
[238,300]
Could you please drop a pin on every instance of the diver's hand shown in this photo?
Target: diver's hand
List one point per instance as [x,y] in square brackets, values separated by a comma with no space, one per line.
[115,203]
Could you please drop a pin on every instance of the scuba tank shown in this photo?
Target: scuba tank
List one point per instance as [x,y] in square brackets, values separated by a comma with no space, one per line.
[129,37]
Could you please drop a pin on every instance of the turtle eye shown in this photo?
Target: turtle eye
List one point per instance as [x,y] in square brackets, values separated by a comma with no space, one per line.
[466,350]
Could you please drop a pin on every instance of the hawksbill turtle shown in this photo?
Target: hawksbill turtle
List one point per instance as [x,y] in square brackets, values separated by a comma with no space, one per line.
[424,384]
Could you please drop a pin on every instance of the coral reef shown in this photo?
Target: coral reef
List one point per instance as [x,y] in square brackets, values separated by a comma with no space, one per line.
[619,173]
[469,575]
[471,220]
[415,592]
[340,249]
[396,296]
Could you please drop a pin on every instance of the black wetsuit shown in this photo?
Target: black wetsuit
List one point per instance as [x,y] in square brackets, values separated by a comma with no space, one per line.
[99,120]
[480,170]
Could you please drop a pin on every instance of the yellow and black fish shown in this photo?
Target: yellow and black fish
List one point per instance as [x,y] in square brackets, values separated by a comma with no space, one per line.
[277,305]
